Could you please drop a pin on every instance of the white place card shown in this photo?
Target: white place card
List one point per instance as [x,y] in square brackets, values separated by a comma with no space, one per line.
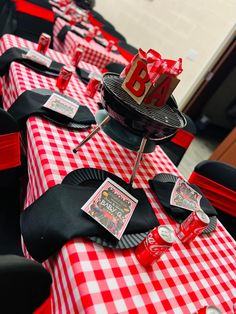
[61,105]
[111,206]
[184,196]
[38,58]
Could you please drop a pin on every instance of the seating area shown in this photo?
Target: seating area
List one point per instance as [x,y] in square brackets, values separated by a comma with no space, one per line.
[94,212]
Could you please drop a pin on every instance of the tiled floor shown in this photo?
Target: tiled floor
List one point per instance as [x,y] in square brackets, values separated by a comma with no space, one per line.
[201,148]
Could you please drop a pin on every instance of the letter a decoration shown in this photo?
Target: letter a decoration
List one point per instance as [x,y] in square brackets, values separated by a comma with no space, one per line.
[149,79]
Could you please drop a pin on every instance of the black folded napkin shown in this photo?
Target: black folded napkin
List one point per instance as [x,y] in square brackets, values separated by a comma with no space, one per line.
[80,25]
[65,29]
[162,186]
[100,42]
[16,54]
[56,217]
[31,103]
[83,75]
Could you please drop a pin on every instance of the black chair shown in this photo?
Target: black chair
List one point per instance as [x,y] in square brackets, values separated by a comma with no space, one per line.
[128,47]
[114,34]
[24,285]
[27,19]
[97,16]
[11,172]
[108,24]
[178,145]
[115,67]
[128,51]
[85,4]
[217,181]
[7,22]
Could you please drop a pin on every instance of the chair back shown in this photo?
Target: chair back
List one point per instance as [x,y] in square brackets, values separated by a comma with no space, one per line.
[217,180]
[24,285]
[9,142]
[112,34]
[178,144]
[115,67]
[128,51]
[33,18]
[10,185]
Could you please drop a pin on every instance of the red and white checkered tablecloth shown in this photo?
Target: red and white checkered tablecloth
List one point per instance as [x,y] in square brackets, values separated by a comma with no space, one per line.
[21,78]
[91,279]
[8,41]
[93,52]
[88,278]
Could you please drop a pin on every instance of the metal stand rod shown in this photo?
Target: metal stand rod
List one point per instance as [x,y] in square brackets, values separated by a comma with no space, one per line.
[98,127]
[138,159]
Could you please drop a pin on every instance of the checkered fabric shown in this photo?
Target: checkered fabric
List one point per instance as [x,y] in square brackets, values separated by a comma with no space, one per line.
[8,41]
[88,278]
[21,78]
[93,52]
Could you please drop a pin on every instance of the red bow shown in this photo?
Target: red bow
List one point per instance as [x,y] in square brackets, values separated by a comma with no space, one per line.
[156,66]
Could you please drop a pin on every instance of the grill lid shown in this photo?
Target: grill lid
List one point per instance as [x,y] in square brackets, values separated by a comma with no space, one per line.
[167,115]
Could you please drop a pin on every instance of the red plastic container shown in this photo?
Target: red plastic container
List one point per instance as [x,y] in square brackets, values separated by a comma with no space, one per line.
[93,87]
[77,56]
[157,242]
[192,226]
[110,45]
[44,43]
[64,78]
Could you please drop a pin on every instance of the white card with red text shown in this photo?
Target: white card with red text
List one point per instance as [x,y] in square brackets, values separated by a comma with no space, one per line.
[61,105]
[112,207]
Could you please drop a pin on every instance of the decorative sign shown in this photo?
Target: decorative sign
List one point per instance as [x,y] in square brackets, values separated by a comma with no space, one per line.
[139,86]
[38,58]
[111,206]
[61,105]
[184,196]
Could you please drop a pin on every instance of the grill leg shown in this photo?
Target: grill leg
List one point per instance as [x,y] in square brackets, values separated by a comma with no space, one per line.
[95,130]
[138,159]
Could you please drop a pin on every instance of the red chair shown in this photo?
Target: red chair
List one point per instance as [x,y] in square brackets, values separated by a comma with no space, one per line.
[28,19]
[217,181]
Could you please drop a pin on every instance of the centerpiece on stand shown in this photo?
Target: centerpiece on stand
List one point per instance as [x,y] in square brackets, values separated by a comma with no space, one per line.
[139,109]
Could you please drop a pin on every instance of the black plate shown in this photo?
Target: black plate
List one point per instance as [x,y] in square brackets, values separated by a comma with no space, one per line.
[83,75]
[43,70]
[95,177]
[69,125]
[166,177]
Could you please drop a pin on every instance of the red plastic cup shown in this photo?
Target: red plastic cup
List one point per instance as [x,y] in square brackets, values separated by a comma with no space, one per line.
[157,242]
[192,226]
[95,30]
[110,45]
[73,20]
[89,36]
[44,43]
[209,310]
[64,78]
[76,57]
[93,87]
